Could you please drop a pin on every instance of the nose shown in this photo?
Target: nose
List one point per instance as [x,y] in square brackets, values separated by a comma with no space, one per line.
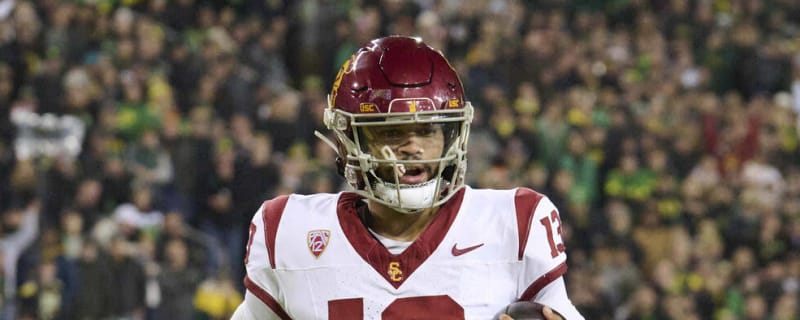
[411,147]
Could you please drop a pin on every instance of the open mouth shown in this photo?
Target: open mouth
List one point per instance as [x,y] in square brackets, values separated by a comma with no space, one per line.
[415,175]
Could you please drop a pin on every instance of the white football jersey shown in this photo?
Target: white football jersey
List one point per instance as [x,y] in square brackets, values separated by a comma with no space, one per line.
[311,257]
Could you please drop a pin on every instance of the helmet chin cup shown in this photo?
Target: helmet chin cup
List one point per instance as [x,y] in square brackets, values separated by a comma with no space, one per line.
[407,198]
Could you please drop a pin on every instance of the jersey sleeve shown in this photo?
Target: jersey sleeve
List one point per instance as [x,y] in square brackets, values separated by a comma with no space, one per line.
[554,295]
[261,281]
[542,250]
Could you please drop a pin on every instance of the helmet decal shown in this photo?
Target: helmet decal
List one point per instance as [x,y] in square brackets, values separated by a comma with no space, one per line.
[454,103]
[367,107]
[336,82]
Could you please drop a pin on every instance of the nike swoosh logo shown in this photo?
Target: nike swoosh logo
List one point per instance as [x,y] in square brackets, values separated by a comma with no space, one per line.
[457,252]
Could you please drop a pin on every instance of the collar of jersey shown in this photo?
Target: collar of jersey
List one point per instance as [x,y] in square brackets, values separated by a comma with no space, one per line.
[374,253]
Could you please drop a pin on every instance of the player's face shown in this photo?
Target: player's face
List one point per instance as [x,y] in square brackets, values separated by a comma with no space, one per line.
[421,141]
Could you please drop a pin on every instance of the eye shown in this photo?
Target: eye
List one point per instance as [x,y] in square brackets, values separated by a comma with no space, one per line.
[427,130]
[388,133]
[393,133]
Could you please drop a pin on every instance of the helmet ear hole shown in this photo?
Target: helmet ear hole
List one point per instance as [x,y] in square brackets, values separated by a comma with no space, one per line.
[340,166]
[449,172]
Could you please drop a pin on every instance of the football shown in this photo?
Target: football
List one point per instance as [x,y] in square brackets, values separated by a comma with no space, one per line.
[525,310]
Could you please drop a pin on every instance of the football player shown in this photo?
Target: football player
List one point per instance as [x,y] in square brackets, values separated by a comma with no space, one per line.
[411,241]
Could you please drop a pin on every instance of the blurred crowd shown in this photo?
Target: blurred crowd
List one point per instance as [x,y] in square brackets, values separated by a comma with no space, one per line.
[138,137]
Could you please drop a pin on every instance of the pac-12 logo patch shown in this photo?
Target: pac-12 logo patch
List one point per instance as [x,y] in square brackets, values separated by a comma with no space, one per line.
[318,241]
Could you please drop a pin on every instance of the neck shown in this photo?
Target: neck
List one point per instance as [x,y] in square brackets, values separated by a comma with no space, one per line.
[397,225]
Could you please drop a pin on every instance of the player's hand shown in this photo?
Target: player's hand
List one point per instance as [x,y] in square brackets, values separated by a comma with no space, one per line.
[549,314]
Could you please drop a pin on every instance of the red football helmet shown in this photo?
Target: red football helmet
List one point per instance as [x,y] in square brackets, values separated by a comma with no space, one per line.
[390,89]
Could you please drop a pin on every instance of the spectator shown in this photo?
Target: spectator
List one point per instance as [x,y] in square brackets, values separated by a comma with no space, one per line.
[178,281]
[20,226]
[191,153]
[630,181]
[42,297]
[140,217]
[129,274]
[217,217]
[62,184]
[217,297]
[95,283]
[204,252]
[149,162]
[88,201]
[117,182]
[283,120]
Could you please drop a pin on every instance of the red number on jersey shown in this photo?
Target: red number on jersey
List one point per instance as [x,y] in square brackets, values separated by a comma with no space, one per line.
[556,248]
[435,307]
[346,309]
[249,243]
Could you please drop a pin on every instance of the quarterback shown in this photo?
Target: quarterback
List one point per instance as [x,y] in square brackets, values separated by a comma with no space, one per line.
[411,240]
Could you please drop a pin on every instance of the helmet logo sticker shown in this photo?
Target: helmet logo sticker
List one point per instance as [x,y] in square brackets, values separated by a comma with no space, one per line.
[318,241]
[368,107]
[454,103]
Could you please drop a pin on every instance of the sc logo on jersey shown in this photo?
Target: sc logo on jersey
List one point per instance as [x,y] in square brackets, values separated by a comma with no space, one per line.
[395,274]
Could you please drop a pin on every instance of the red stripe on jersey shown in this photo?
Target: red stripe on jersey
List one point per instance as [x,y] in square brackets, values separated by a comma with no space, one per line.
[543,281]
[266,298]
[526,201]
[273,210]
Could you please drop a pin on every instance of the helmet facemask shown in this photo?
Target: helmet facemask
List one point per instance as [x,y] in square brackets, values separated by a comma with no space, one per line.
[370,146]
[397,88]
